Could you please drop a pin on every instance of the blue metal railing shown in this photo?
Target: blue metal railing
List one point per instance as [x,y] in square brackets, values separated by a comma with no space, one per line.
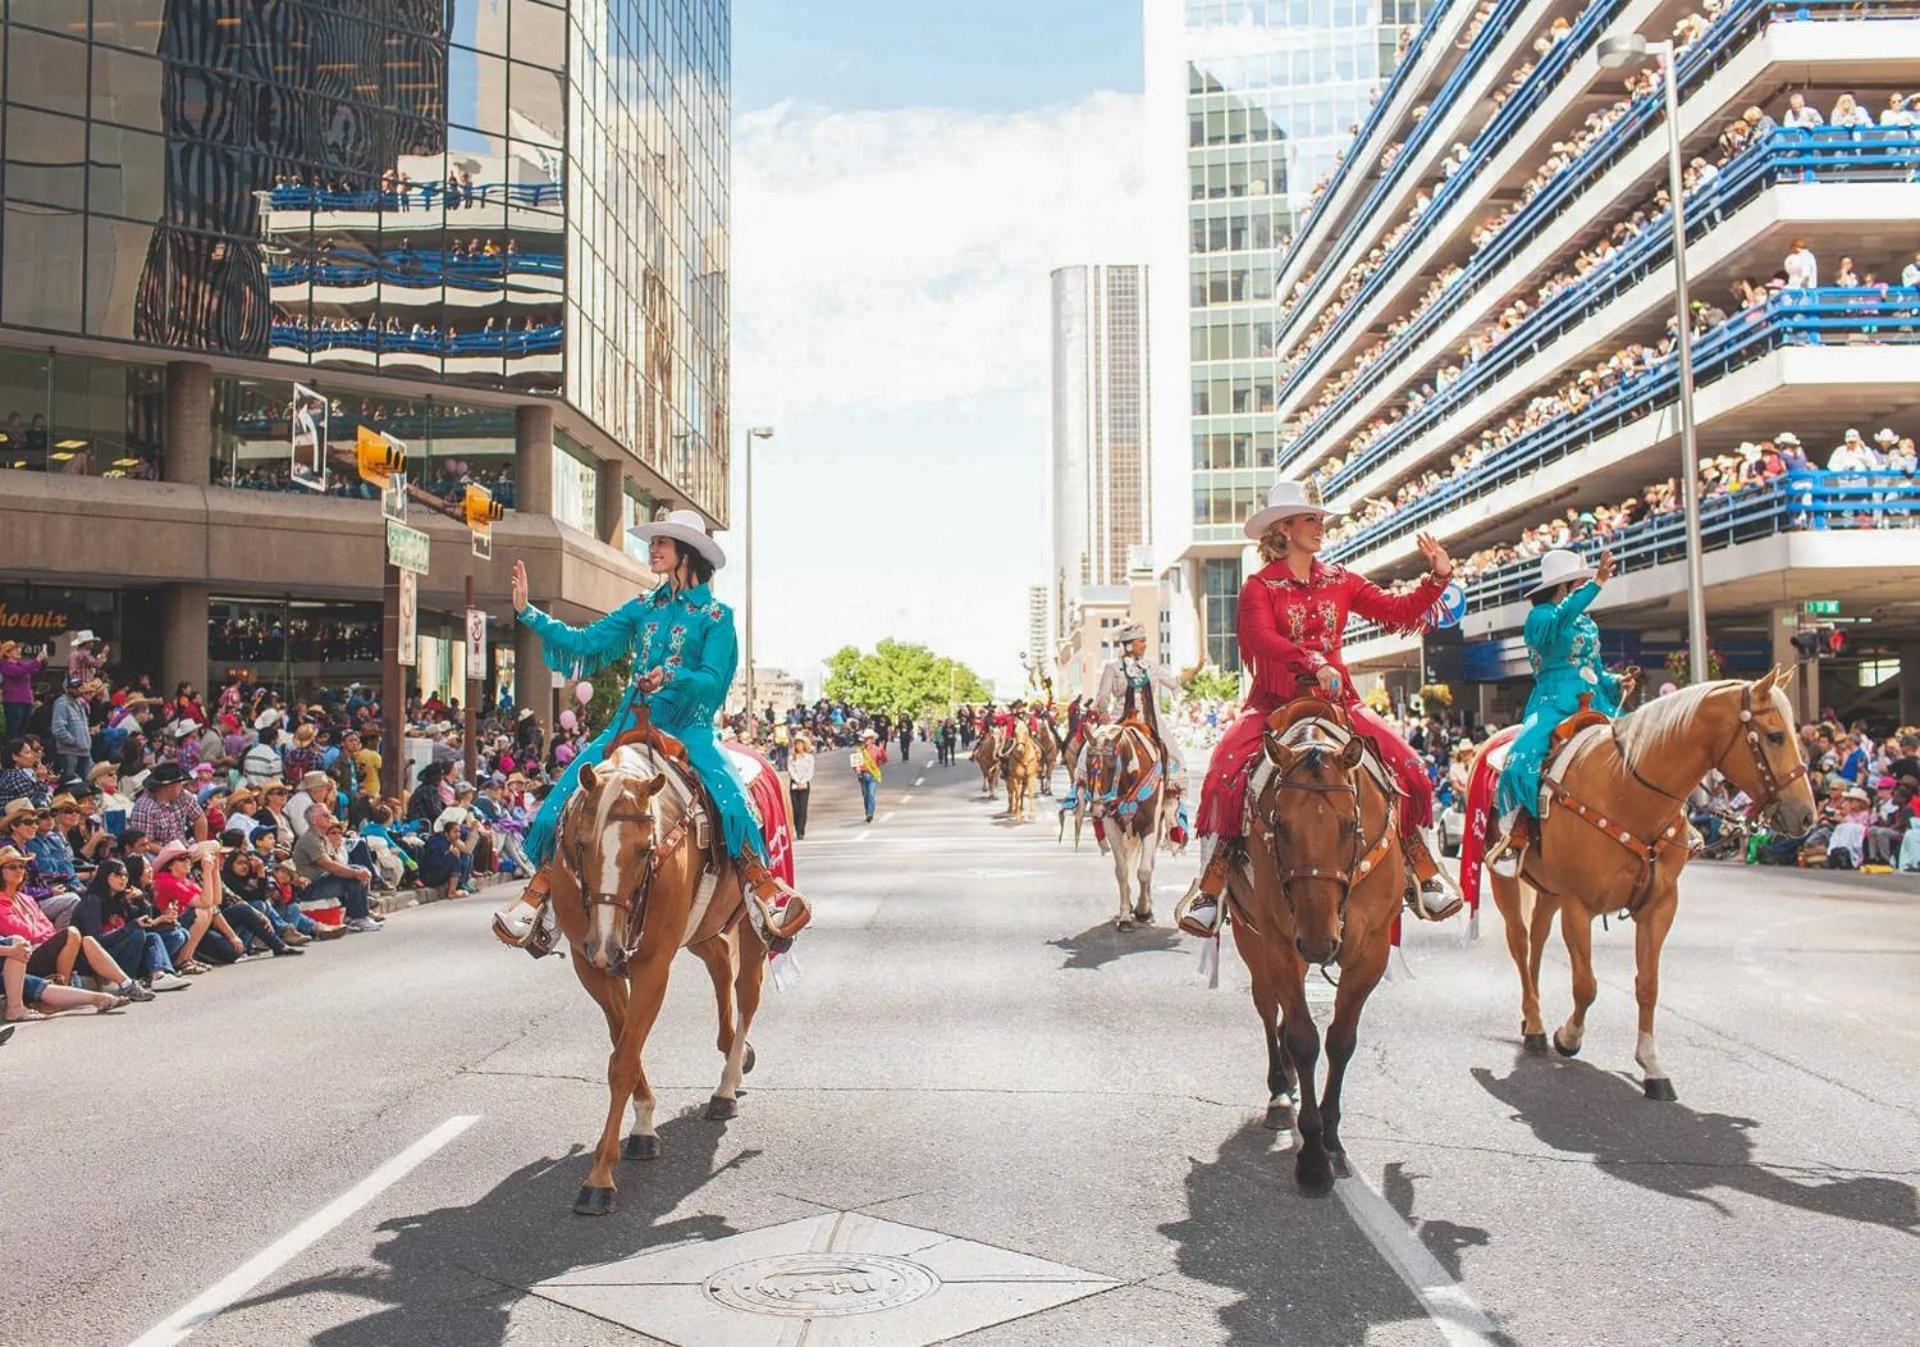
[426,195]
[1826,154]
[413,268]
[1408,60]
[1741,19]
[547,338]
[1798,156]
[1464,69]
[1799,501]
[1790,317]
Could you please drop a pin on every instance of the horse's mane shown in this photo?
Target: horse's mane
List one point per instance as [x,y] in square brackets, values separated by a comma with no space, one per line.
[1656,729]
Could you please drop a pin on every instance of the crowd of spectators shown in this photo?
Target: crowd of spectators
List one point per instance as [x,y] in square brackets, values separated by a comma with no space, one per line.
[146,839]
[1866,786]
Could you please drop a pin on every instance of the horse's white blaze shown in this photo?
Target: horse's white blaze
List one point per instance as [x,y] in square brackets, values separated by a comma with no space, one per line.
[607,881]
[1649,1059]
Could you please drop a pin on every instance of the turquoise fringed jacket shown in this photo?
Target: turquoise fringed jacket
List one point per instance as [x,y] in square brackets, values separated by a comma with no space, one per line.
[690,635]
[1563,646]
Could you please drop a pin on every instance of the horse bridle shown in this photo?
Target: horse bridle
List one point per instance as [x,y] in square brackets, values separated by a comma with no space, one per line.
[633,907]
[1772,784]
[1360,866]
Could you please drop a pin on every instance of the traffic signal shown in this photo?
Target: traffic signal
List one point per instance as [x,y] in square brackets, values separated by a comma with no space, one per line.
[482,510]
[379,456]
[1820,642]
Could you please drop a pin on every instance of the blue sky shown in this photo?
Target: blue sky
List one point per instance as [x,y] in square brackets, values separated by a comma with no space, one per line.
[902,189]
[984,55]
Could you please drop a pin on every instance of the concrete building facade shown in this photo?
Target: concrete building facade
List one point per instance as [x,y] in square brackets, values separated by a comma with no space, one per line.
[236,236]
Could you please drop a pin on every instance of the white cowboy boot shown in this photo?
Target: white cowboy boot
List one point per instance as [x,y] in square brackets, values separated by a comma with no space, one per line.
[1200,908]
[1440,897]
[514,923]
[1511,848]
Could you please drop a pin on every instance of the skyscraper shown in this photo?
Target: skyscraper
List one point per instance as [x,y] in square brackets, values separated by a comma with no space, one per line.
[1250,104]
[1101,446]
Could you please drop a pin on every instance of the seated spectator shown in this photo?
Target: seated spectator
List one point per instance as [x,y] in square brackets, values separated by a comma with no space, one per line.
[316,788]
[25,991]
[245,902]
[103,914]
[319,857]
[20,776]
[390,858]
[186,888]
[447,858]
[54,953]
[166,811]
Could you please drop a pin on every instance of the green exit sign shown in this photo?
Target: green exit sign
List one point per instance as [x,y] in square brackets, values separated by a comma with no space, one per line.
[1821,607]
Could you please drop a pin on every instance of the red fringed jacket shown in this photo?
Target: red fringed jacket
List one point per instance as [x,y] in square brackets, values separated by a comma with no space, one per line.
[1290,628]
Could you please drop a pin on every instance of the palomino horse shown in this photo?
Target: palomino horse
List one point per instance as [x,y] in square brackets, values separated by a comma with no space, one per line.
[986,756]
[1327,876]
[1615,837]
[629,892]
[1127,790]
[1020,769]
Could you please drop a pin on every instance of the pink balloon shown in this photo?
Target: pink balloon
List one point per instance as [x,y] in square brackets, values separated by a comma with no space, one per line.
[567,719]
[583,693]
[1667,689]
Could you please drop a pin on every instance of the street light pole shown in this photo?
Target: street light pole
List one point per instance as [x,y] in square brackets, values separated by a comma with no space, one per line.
[753,433]
[1615,52]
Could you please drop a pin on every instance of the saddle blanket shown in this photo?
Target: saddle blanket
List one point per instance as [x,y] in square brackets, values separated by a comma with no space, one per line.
[767,797]
[1263,768]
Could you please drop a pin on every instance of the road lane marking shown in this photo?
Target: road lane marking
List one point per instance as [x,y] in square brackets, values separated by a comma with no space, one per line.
[919,781]
[1455,1313]
[216,1298]
[907,798]
[884,817]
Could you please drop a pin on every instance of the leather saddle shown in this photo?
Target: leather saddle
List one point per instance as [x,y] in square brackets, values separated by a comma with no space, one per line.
[1307,708]
[645,734]
[1564,732]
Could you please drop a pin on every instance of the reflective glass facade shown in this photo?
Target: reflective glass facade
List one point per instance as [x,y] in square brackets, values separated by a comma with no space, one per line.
[1275,89]
[522,195]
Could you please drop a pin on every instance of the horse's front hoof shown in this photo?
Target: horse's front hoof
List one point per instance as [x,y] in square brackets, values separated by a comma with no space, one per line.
[1660,1089]
[593,1201]
[722,1110]
[746,1065]
[1124,924]
[638,1147]
[1535,1043]
[1562,1048]
[1279,1115]
[1313,1173]
[1144,918]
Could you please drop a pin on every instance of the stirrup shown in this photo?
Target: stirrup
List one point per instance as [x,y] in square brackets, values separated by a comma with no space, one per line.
[1198,912]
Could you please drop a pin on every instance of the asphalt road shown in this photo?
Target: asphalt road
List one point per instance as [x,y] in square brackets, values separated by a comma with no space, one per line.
[973,1051]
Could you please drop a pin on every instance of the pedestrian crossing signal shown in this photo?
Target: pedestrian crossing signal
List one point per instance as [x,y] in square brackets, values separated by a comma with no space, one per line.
[482,511]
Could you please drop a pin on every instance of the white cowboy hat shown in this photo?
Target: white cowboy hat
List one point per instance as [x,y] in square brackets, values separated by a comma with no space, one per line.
[84,636]
[449,817]
[1558,567]
[1884,435]
[1285,500]
[1133,631]
[267,719]
[683,526]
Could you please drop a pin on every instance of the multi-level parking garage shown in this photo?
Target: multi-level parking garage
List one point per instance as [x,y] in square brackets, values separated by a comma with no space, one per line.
[1477,338]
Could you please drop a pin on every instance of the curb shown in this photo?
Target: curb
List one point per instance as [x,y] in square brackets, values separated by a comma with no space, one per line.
[386,904]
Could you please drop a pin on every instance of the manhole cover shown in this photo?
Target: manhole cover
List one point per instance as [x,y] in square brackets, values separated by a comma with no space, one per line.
[820,1285]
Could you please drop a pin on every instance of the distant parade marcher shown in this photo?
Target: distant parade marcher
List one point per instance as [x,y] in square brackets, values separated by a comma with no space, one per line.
[866,770]
[1291,617]
[800,780]
[1563,646]
[685,653]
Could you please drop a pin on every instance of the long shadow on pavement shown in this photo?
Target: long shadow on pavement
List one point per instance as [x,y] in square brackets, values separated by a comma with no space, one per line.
[1100,944]
[1668,1148]
[1301,1268]
[453,1275]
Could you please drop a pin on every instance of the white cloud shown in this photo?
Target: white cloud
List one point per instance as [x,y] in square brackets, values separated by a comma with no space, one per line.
[890,317]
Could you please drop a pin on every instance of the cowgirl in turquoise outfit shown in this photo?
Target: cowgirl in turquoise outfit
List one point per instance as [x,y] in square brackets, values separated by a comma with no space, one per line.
[684,656]
[1563,646]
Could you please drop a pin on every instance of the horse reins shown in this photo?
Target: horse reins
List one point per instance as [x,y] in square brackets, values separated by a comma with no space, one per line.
[633,907]
[1361,865]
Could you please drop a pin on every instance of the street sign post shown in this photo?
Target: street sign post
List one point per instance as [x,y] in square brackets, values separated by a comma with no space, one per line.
[408,630]
[408,548]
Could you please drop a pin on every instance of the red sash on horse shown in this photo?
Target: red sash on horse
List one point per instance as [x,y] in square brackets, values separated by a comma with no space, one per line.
[770,803]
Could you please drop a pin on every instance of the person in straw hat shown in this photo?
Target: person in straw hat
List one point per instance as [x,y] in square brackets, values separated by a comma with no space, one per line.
[685,652]
[1127,681]
[1563,646]
[1291,616]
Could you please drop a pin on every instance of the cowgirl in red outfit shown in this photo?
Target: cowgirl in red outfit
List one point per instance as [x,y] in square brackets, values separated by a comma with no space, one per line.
[1292,614]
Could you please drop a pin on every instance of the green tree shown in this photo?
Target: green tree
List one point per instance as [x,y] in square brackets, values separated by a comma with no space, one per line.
[1214,684]
[900,678]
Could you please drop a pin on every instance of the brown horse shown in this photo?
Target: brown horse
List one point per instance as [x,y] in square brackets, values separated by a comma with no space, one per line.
[1126,789]
[1615,838]
[1326,879]
[986,756]
[630,890]
[1049,756]
[1020,770]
